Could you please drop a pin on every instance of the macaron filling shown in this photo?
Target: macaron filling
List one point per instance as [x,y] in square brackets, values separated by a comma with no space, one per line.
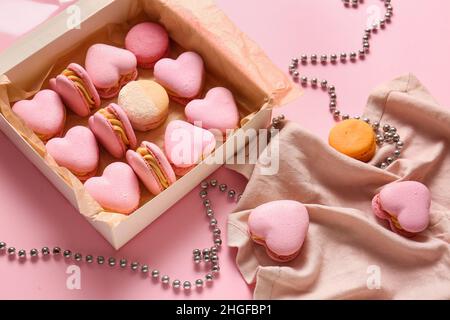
[116,124]
[81,85]
[124,79]
[154,164]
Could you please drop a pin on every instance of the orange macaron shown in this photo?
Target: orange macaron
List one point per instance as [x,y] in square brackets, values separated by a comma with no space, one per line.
[354,138]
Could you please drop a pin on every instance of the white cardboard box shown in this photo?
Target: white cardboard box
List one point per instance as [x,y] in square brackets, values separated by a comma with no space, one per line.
[54,38]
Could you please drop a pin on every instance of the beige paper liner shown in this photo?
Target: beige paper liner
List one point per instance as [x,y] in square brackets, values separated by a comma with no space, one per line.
[232,61]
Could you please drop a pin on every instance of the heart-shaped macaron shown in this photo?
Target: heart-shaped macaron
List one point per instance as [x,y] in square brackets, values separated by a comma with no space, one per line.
[217,110]
[45,114]
[281,226]
[406,205]
[183,78]
[110,68]
[186,145]
[77,151]
[117,190]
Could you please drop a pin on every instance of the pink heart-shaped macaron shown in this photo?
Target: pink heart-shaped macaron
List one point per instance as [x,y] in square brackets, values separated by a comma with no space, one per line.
[186,145]
[77,151]
[110,68]
[45,114]
[183,77]
[117,190]
[281,226]
[406,205]
[217,110]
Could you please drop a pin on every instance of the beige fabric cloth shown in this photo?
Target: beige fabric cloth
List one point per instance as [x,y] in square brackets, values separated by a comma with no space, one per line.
[346,245]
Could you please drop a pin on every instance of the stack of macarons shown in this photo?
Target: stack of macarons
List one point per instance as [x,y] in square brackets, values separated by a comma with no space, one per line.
[110,73]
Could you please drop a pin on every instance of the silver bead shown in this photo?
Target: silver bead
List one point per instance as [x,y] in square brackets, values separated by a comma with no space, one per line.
[231,193]
[206,258]
[383,165]
[314,82]
[206,251]
[296,74]
[294,61]
[100,260]
[324,84]
[397,153]
[380,138]
[353,55]
[215,268]
[209,277]
[134,266]
[332,105]
[2,245]
[89,258]
[144,269]
[213,222]
[204,185]
[345,117]
[396,138]
[203,194]
[123,263]
[376,125]
[304,58]
[155,274]
[22,254]
[366,45]
[186,285]
[214,258]
[366,120]
[216,231]
[165,279]
[382,23]
[393,129]
[56,250]
[196,252]
[304,80]
[11,251]
[67,254]
[386,128]
[400,145]
[77,256]
[331,89]
[361,53]
[333,96]
[336,113]
[197,259]
[112,262]
[214,250]
[218,241]
[314,58]
[176,284]
[223,187]
[210,213]
[207,203]
[34,252]
[389,160]
[333,57]
[199,283]
[343,56]
[323,58]
[356,117]
[213,183]
[45,251]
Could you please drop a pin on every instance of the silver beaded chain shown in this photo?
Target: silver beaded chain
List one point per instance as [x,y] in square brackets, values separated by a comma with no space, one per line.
[209,256]
[384,133]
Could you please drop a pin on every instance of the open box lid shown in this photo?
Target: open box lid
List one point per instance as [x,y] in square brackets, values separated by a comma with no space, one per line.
[182,18]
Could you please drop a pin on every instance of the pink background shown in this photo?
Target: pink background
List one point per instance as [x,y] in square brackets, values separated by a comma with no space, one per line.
[34,214]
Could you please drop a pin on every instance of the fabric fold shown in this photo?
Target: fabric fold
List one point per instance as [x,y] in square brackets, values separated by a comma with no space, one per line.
[348,252]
